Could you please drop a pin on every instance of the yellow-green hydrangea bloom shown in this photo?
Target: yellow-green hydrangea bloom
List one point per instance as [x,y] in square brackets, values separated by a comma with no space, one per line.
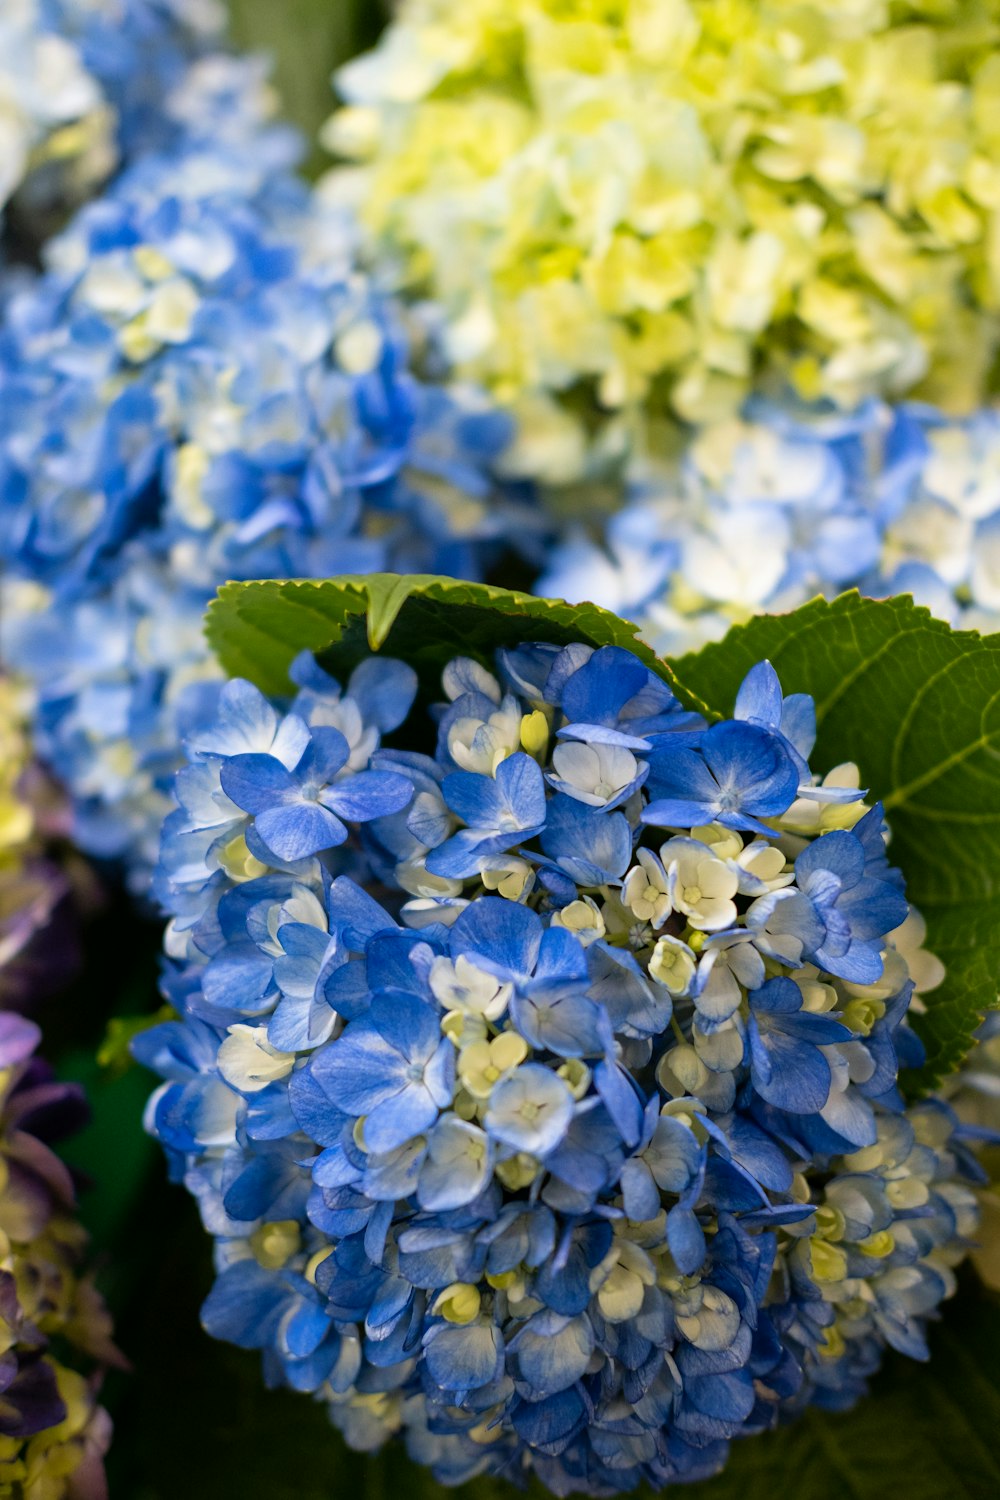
[631,205]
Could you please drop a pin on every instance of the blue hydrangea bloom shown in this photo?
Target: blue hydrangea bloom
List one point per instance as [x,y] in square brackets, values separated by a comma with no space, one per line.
[88,88]
[166,70]
[203,386]
[762,513]
[544,1109]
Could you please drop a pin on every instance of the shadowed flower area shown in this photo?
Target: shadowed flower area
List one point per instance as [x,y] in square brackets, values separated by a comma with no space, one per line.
[53,1433]
[53,1323]
[540,1094]
[40,897]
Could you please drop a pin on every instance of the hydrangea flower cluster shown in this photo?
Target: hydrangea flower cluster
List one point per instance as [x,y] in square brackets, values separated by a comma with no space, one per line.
[88,85]
[53,1433]
[50,106]
[640,201]
[202,387]
[764,512]
[167,71]
[541,1092]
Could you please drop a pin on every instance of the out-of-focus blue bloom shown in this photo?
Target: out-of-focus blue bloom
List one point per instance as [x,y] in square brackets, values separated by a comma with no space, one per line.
[90,88]
[47,93]
[762,513]
[578,1150]
[203,386]
[167,73]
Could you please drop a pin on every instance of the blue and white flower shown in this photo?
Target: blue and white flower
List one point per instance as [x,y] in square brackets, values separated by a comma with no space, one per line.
[589,1157]
[203,386]
[88,87]
[761,514]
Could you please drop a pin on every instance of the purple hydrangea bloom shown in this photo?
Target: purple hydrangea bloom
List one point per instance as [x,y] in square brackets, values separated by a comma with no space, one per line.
[54,1429]
[43,1402]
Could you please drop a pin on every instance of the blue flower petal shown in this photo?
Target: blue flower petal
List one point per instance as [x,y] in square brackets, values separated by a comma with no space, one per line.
[257,782]
[462,1359]
[298,829]
[368,795]
[552,1352]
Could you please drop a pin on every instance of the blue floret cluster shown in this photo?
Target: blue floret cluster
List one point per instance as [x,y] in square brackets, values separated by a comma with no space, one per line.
[762,513]
[540,1092]
[165,69]
[89,87]
[202,386]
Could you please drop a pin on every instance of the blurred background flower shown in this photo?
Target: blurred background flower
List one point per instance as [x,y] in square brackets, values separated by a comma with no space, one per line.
[202,386]
[637,209]
[53,1433]
[51,109]
[87,86]
[975,1095]
[761,512]
[44,885]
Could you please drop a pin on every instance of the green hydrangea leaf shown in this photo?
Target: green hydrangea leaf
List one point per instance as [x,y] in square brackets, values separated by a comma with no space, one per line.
[256,629]
[917,706]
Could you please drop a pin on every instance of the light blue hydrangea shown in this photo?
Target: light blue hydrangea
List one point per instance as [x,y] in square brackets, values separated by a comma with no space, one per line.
[763,513]
[549,1117]
[89,86]
[49,103]
[202,386]
[166,69]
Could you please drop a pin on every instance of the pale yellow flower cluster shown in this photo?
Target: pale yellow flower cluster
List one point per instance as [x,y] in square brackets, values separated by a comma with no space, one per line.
[641,204]
[16,818]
